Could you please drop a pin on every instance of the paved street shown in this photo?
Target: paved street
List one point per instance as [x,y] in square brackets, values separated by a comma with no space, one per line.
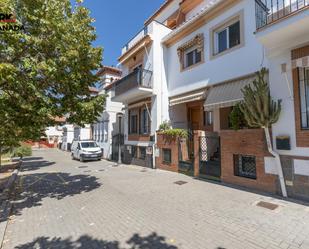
[68,204]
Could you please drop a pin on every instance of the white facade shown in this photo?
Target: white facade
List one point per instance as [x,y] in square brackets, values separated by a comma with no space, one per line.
[107,125]
[279,40]
[54,134]
[68,136]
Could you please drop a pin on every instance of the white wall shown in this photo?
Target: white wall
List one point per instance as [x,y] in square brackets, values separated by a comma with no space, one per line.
[279,90]
[110,116]
[240,62]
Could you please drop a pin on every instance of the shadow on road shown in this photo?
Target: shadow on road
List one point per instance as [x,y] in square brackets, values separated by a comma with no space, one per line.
[153,241]
[32,188]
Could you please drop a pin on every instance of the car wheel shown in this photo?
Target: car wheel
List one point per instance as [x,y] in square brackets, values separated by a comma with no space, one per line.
[72,156]
[81,159]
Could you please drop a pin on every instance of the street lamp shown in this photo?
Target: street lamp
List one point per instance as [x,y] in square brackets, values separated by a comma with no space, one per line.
[119,116]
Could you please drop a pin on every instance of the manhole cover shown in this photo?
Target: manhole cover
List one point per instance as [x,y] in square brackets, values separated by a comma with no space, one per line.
[267,205]
[101,169]
[144,170]
[180,182]
[87,171]
[82,167]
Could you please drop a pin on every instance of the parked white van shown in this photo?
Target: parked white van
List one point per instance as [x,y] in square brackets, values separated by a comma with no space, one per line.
[86,150]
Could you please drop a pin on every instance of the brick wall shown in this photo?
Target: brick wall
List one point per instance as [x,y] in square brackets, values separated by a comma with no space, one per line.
[246,142]
[302,136]
[164,142]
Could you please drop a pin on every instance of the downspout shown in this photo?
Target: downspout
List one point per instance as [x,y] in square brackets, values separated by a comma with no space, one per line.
[278,162]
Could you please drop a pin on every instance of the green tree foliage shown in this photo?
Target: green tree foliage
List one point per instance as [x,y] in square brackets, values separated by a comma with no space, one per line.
[258,107]
[47,68]
[237,118]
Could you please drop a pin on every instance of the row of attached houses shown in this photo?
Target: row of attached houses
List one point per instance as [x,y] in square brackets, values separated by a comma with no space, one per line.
[187,66]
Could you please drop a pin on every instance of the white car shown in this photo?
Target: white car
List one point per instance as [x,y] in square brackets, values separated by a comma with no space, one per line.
[86,150]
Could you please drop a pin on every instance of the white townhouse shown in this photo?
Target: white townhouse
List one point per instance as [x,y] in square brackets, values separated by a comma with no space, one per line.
[188,66]
[283,30]
[106,131]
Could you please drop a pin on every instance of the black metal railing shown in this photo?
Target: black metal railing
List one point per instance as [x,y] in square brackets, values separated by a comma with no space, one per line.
[142,33]
[138,78]
[269,11]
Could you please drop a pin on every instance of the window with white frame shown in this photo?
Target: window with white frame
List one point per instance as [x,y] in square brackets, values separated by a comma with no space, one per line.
[304,96]
[227,38]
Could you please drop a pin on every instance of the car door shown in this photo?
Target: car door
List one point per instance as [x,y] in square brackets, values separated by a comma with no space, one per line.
[77,151]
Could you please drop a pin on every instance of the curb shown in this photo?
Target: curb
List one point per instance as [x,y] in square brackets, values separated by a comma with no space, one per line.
[6,206]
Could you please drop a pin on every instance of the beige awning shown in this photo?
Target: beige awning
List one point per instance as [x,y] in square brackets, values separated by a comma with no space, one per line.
[227,94]
[188,97]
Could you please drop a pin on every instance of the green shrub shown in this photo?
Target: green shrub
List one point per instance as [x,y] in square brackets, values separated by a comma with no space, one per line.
[22,151]
[237,118]
[165,126]
[176,133]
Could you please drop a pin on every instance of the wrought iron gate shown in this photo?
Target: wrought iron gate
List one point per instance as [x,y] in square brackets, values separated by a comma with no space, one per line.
[117,139]
[210,157]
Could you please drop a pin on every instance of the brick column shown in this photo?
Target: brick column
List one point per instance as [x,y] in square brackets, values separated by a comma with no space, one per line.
[196,140]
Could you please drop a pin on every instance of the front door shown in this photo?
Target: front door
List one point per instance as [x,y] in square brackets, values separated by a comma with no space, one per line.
[194,118]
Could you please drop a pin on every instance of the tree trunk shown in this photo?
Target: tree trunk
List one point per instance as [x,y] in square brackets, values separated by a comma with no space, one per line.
[278,162]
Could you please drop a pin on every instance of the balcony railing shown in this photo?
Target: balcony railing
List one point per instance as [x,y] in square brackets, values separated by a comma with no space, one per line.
[136,79]
[141,34]
[270,11]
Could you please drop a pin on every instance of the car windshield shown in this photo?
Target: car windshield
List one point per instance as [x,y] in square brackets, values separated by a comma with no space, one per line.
[89,145]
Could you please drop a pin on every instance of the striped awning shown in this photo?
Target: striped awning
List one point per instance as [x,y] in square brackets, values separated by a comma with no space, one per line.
[188,97]
[227,94]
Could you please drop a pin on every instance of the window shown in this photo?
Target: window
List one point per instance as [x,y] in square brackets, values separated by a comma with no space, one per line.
[192,52]
[133,122]
[192,56]
[142,153]
[105,131]
[144,121]
[167,156]
[208,118]
[245,166]
[304,96]
[227,37]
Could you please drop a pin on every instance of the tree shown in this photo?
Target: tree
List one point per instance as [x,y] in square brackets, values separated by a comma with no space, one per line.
[46,69]
[261,111]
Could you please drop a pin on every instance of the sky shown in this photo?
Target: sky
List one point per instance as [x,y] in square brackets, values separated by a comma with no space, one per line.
[117,21]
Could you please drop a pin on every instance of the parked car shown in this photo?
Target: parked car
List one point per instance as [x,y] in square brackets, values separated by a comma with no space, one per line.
[86,150]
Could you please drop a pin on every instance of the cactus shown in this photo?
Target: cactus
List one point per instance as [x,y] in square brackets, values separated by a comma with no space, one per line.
[259,109]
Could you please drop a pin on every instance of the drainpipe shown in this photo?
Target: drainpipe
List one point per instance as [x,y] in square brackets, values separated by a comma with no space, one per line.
[278,162]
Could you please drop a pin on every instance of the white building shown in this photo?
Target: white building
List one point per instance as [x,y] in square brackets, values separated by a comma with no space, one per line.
[188,66]
[105,132]
[284,33]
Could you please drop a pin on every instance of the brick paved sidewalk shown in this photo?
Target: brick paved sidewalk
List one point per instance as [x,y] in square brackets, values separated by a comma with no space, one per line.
[68,204]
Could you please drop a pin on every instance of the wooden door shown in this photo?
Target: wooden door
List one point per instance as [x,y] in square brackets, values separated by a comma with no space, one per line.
[195,118]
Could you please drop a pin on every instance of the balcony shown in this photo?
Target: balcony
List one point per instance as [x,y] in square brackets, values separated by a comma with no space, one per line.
[281,24]
[139,36]
[271,11]
[134,86]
